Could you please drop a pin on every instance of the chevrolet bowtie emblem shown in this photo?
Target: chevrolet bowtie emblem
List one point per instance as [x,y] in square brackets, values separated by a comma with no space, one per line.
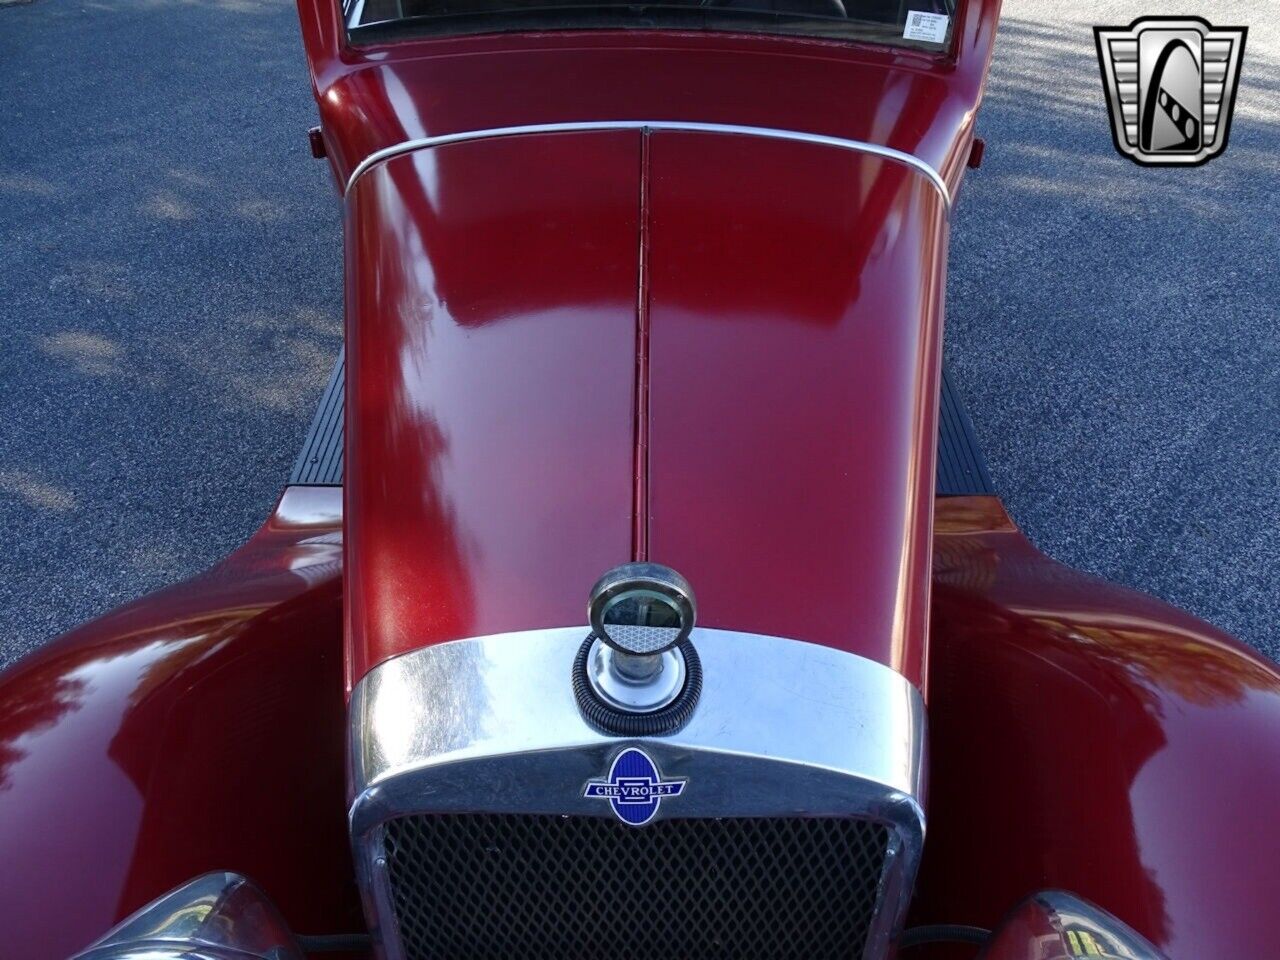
[1171,86]
[634,787]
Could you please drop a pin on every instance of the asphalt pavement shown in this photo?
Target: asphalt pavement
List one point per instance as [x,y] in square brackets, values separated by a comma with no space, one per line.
[1115,329]
[170,273]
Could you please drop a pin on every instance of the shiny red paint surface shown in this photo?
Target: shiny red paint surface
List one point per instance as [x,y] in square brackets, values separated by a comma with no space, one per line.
[493,408]
[437,552]
[752,320]
[490,370]
[201,728]
[795,300]
[1088,738]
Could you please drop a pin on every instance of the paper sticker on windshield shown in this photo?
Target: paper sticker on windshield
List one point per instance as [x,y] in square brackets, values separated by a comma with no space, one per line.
[931,27]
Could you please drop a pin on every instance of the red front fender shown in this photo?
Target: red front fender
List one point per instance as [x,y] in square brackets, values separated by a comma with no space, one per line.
[1088,738]
[200,728]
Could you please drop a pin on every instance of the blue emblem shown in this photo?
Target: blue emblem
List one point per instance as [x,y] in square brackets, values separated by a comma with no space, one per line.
[635,788]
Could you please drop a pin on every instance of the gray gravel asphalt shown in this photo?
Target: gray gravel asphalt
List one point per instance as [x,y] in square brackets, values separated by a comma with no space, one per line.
[170,277]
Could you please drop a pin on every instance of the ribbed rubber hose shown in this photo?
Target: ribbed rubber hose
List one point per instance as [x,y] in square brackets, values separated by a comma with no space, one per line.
[620,723]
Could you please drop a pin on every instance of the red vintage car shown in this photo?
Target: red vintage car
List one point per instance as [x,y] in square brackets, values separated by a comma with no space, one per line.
[640,591]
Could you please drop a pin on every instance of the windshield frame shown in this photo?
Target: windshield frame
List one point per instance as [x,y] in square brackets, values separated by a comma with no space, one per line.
[640,17]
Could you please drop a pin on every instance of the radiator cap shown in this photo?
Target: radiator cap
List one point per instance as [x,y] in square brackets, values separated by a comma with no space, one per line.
[641,609]
[637,674]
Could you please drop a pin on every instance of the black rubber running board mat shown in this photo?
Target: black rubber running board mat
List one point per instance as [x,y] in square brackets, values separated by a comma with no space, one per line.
[320,463]
[961,468]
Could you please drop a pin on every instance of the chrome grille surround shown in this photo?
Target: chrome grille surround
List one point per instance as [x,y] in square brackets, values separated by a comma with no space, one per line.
[489,726]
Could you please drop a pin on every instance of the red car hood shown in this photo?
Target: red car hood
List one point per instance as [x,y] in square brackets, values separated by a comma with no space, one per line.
[571,350]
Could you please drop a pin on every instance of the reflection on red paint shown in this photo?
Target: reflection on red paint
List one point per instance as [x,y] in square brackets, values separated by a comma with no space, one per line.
[199,727]
[1088,738]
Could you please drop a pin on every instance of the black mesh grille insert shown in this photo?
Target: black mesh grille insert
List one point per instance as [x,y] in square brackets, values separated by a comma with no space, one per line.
[527,887]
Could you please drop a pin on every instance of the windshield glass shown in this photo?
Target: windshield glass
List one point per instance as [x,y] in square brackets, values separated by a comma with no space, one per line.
[923,24]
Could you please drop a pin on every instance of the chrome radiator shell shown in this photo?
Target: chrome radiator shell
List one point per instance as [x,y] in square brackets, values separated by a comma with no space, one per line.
[784,729]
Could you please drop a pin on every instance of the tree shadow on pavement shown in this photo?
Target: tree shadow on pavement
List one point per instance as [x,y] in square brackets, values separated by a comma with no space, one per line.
[1114,329]
[172,272]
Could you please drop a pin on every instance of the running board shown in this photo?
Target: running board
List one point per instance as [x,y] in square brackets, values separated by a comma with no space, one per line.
[320,463]
[961,469]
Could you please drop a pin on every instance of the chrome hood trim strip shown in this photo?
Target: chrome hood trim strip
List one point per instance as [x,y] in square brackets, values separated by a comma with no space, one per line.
[437,718]
[840,143]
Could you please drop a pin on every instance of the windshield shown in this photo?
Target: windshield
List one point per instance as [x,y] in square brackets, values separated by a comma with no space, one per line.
[923,24]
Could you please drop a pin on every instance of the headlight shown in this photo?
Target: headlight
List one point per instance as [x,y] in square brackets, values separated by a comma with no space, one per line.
[218,916]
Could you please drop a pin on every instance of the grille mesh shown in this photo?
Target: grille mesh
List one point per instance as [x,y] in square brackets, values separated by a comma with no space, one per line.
[531,887]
